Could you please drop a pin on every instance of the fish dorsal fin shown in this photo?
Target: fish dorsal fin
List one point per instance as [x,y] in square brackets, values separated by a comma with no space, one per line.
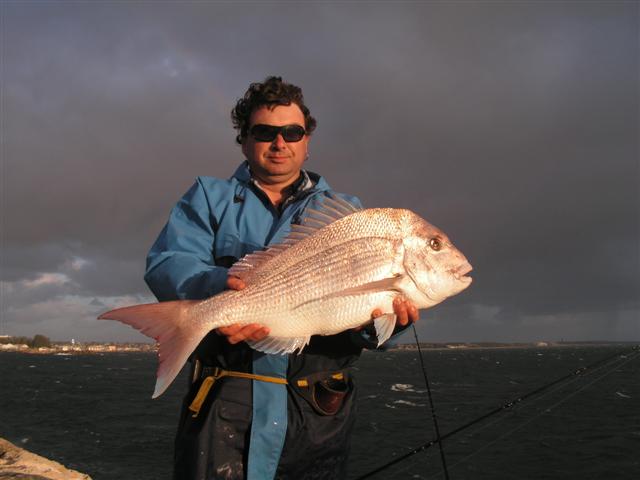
[339,205]
[329,210]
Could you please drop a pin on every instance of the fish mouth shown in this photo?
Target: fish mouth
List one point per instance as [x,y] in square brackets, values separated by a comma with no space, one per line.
[461,272]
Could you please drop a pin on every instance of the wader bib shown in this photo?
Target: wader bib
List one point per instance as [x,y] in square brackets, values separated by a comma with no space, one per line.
[216,223]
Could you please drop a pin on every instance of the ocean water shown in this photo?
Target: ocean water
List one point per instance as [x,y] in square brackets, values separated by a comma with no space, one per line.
[94,413]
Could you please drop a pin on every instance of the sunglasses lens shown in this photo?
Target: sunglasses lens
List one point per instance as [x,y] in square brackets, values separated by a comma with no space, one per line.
[292,133]
[264,133]
[268,133]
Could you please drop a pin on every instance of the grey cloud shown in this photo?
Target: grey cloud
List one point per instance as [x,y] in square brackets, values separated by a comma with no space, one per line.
[513,128]
[97,303]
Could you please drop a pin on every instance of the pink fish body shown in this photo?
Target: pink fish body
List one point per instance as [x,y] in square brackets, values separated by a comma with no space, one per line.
[327,276]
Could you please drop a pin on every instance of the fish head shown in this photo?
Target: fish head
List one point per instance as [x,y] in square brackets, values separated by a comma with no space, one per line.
[438,269]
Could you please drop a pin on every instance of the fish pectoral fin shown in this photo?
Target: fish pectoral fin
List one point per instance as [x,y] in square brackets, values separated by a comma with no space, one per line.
[384,326]
[392,284]
[279,344]
[386,284]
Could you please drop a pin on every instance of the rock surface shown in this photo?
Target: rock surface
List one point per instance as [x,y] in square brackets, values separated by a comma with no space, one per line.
[18,464]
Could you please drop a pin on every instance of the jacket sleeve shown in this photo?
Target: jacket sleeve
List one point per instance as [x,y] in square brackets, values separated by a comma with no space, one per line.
[180,264]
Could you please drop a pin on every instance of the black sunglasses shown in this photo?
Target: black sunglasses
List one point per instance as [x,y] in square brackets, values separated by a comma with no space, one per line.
[268,133]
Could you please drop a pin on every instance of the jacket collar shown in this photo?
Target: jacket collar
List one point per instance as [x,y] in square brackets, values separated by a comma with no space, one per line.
[243,175]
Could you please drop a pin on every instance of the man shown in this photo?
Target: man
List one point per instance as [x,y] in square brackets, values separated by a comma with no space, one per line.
[257,428]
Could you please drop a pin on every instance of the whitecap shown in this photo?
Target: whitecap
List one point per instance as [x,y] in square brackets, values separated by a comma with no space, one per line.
[402,387]
[620,394]
[407,387]
[411,404]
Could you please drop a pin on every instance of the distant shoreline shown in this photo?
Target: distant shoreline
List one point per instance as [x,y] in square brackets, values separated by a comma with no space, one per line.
[83,349]
[101,348]
[506,345]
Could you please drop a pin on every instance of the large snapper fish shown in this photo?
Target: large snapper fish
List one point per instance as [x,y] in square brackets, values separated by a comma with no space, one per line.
[327,276]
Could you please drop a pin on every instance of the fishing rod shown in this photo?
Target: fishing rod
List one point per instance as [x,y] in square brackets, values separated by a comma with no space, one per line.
[616,364]
[502,408]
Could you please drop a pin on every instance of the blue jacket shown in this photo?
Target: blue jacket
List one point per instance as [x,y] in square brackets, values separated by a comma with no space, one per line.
[216,223]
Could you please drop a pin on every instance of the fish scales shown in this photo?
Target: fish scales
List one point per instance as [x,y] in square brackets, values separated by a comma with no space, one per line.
[371,223]
[326,273]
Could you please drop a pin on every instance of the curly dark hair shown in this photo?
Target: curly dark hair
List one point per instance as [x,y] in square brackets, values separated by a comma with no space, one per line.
[270,93]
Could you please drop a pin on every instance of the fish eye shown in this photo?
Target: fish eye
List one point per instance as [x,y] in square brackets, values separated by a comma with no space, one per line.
[435,243]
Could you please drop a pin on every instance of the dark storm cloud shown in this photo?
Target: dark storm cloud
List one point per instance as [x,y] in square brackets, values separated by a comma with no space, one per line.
[512,127]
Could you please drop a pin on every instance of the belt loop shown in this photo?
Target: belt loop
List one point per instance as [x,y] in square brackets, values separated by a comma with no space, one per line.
[196,370]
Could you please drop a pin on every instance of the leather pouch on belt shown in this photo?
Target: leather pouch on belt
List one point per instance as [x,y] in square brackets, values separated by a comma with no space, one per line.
[324,391]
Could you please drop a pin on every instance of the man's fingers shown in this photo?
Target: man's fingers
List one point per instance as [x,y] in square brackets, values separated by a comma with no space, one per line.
[400,309]
[252,331]
[259,334]
[234,283]
[406,312]
[228,331]
[376,313]
[413,313]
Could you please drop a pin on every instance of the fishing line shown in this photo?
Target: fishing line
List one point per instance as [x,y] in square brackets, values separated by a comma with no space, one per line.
[544,411]
[433,410]
[504,407]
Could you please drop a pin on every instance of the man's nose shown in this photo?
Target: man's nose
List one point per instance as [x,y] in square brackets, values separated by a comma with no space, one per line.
[279,143]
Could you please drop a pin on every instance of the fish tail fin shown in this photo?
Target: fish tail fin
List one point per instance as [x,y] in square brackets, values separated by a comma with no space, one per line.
[169,324]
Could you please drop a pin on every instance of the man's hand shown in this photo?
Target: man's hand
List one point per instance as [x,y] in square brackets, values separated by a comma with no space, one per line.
[406,312]
[238,333]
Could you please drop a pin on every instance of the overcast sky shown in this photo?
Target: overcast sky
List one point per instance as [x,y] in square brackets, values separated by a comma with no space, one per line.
[513,126]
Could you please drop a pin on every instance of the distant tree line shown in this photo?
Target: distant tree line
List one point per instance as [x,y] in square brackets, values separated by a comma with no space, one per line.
[36,342]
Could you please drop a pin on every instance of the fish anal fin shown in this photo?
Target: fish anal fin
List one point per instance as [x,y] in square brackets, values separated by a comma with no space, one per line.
[281,345]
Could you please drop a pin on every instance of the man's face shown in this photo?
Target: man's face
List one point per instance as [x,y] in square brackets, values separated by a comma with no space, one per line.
[277,161]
